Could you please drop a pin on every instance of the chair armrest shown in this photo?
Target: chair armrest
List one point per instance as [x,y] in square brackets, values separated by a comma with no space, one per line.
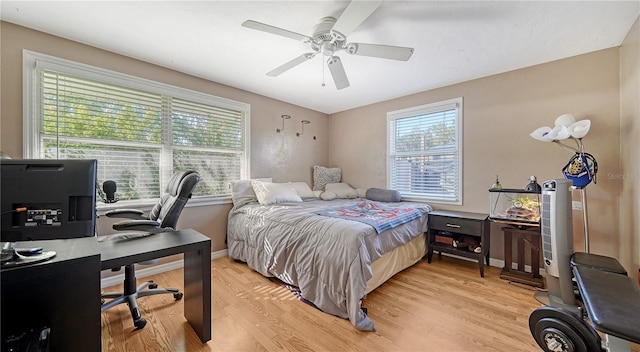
[133,214]
[138,225]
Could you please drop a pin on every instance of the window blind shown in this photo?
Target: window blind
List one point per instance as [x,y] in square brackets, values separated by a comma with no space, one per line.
[209,139]
[424,151]
[139,137]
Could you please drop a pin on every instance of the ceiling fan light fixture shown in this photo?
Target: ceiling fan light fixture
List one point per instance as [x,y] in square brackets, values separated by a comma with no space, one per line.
[328,48]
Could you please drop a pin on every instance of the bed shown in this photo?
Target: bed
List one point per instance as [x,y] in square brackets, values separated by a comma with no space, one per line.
[334,262]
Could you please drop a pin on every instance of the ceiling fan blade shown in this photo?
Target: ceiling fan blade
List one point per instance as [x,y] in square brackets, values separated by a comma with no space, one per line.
[381,51]
[291,64]
[356,12]
[337,72]
[275,30]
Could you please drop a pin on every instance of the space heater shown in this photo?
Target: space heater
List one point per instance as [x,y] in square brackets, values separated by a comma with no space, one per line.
[556,229]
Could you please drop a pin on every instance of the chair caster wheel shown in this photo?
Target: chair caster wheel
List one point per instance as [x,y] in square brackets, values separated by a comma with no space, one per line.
[178,296]
[153,286]
[140,323]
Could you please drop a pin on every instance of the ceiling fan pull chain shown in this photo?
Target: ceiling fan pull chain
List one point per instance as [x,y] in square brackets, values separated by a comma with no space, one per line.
[322,63]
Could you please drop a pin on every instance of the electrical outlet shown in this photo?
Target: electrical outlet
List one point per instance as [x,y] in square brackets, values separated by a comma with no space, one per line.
[576,205]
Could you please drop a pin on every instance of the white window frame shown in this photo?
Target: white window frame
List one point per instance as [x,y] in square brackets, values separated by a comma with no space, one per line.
[392,116]
[32,119]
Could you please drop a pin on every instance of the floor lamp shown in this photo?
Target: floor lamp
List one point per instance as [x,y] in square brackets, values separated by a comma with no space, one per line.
[582,167]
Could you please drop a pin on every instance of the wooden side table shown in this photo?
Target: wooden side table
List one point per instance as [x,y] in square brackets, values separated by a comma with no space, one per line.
[444,223]
[525,238]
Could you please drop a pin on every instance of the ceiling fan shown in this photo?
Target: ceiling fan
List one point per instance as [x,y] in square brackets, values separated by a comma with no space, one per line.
[330,36]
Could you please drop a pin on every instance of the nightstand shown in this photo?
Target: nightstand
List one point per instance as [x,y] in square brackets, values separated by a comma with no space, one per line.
[452,224]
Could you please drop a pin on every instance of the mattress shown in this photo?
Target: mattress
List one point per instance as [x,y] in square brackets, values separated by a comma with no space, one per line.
[395,261]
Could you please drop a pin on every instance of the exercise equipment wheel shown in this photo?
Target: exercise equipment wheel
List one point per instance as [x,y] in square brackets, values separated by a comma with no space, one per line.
[558,330]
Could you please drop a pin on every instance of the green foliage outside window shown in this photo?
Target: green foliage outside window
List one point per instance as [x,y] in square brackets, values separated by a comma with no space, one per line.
[130,132]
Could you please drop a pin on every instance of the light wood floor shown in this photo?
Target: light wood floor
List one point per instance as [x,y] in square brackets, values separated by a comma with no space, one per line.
[443,306]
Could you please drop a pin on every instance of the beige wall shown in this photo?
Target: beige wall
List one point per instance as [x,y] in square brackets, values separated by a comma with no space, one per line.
[630,149]
[499,113]
[284,157]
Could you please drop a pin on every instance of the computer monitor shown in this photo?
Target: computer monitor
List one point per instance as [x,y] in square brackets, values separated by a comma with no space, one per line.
[47,199]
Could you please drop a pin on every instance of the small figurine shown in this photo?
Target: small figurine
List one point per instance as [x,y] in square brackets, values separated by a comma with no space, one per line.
[497,184]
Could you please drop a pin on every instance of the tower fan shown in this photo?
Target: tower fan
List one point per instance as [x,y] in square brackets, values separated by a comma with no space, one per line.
[556,229]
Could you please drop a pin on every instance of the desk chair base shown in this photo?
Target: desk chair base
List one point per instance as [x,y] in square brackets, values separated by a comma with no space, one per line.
[132,293]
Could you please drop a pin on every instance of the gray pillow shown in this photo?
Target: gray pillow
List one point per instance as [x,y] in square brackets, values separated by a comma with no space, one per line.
[383,195]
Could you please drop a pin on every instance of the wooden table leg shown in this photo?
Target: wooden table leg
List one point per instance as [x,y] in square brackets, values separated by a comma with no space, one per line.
[507,251]
[535,256]
[520,252]
[197,291]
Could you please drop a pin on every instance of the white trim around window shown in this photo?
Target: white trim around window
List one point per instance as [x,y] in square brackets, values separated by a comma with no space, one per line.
[424,152]
[191,104]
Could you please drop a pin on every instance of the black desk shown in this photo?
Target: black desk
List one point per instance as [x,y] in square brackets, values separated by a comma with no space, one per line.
[197,268]
[62,293]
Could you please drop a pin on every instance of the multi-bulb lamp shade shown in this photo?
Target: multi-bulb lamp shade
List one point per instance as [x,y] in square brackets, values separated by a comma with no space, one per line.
[582,167]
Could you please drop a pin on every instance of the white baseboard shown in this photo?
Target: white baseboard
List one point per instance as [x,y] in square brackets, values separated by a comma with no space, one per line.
[152,270]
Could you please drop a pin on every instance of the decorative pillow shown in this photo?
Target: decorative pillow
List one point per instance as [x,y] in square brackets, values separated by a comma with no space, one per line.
[303,189]
[272,193]
[342,190]
[242,191]
[383,195]
[328,196]
[323,175]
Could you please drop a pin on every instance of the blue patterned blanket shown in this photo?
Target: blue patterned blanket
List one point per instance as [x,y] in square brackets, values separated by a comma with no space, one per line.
[378,215]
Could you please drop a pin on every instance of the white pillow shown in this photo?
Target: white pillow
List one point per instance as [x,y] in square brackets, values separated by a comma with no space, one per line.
[242,191]
[342,190]
[272,193]
[303,189]
[328,196]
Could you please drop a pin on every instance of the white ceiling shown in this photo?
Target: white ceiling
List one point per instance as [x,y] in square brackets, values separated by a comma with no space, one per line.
[454,41]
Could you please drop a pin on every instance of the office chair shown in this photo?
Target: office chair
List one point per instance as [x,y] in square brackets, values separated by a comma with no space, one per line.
[162,217]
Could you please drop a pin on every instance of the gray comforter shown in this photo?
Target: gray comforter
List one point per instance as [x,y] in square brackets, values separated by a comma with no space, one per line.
[329,259]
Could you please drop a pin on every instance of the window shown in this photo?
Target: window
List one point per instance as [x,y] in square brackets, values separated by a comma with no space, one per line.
[140,131]
[424,147]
